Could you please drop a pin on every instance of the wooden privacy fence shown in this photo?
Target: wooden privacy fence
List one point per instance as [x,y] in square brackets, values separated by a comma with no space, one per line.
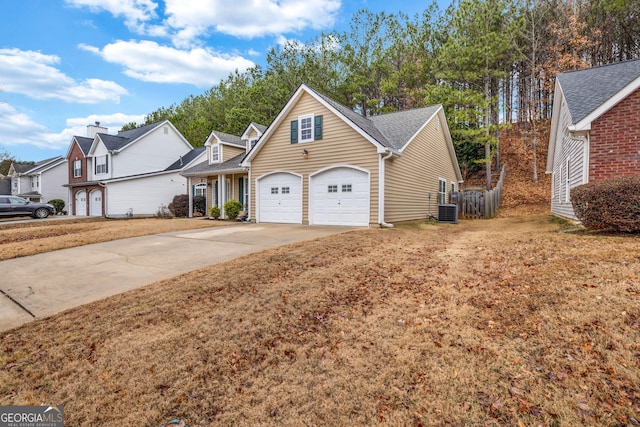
[481,204]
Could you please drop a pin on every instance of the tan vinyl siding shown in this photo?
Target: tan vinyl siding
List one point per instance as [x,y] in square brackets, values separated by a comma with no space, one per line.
[410,178]
[253,134]
[340,145]
[229,152]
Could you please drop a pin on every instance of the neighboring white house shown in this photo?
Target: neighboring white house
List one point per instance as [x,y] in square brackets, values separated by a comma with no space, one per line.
[132,173]
[41,181]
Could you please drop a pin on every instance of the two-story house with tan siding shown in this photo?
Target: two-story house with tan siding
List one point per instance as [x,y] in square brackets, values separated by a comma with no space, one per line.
[221,177]
[319,162]
[595,129]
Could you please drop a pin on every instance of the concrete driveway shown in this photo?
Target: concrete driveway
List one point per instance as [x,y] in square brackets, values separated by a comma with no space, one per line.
[41,285]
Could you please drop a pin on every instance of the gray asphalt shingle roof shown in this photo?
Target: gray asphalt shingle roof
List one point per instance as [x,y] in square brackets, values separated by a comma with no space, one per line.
[391,130]
[586,90]
[186,159]
[232,139]
[205,167]
[122,139]
[84,143]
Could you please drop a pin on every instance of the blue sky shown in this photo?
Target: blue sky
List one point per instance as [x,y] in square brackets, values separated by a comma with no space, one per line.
[65,64]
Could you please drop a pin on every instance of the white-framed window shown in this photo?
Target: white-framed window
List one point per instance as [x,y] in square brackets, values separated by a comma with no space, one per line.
[332,188]
[306,128]
[200,189]
[14,182]
[77,168]
[274,190]
[215,153]
[101,165]
[253,142]
[285,190]
[35,182]
[442,191]
[346,188]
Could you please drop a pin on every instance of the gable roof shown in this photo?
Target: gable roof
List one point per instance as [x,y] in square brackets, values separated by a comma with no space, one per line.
[587,90]
[390,132]
[125,138]
[205,168]
[40,166]
[257,126]
[227,138]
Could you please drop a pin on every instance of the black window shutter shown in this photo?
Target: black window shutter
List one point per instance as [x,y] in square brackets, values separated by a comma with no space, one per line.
[317,127]
[294,131]
[106,164]
[241,191]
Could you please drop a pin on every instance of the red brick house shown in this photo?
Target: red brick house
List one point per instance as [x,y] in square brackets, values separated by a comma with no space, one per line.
[595,129]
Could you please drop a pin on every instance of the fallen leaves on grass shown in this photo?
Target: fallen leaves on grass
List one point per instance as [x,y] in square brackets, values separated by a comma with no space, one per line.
[484,323]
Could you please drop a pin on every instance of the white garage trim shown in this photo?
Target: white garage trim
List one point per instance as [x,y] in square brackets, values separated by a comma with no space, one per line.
[95,203]
[291,210]
[80,201]
[347,202]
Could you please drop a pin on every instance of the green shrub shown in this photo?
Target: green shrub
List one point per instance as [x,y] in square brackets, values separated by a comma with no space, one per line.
[214,212]
[610,204]
[58,204]
[179,207]
[232,208]
[199,205]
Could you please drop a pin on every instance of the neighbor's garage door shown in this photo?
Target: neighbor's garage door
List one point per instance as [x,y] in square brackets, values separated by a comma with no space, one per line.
[81,203]
[340,196]
[280,198]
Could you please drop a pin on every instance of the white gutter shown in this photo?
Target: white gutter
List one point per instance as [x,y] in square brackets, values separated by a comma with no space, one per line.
[381,189]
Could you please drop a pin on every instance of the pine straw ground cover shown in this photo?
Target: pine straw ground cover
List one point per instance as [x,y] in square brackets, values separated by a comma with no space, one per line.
[31,238]
[498,322]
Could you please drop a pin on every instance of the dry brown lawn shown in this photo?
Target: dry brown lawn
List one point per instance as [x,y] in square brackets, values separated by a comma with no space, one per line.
[505,322]
[31,238]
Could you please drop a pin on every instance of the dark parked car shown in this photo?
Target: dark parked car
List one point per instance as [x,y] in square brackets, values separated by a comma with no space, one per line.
[17,206]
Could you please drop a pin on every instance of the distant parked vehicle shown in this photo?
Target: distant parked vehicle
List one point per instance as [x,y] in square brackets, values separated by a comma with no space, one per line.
[17,206]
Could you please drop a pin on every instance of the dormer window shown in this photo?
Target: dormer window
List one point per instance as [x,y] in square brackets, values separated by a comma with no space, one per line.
[215,153]
[253,142]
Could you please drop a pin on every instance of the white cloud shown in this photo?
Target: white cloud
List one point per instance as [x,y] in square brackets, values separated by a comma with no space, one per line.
[248,18]
[136,13]
[18,129]
[34,74]
[149,61]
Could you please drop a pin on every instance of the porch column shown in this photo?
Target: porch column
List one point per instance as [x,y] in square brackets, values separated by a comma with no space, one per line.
[222,194]
[190,191]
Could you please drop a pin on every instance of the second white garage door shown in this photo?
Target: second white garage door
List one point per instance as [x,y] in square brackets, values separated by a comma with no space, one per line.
[280,198]
[340,196]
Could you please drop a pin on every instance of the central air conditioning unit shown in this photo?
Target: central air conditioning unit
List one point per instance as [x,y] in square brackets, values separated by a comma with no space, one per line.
[448,213]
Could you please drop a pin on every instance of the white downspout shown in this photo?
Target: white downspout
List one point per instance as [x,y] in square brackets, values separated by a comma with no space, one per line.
[381,189]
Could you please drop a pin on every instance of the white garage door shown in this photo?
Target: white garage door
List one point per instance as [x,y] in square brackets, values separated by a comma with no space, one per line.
[340,196]
[81,203]
[95,203]
[280,198]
